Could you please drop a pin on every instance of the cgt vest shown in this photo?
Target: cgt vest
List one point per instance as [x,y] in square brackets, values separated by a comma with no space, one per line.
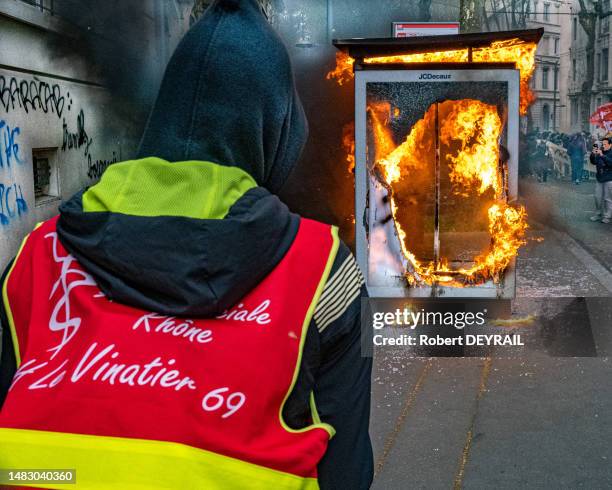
[133,399]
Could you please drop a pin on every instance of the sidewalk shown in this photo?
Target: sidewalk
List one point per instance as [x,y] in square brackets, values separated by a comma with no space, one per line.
[567,207]
[537,422]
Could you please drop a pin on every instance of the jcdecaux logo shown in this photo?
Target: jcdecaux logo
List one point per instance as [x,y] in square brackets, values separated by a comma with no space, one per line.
[434,76]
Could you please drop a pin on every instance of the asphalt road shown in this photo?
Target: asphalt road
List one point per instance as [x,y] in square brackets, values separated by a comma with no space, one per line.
[541,419]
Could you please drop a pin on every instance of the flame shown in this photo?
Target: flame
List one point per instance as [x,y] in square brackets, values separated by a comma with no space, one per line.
[470,131]
[380,113]
[405,156]
[343,73]
[511,51]
[477,126]
[348,143]
[457,56]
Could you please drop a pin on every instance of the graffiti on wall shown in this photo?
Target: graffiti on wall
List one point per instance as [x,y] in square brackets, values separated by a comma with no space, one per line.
[97,168]
[36,95]
[10,145]
[12,202]
[79,139]
[25,97]
[33,95]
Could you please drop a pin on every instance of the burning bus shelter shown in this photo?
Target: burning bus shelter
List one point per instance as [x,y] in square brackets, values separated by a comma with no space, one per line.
[436,160]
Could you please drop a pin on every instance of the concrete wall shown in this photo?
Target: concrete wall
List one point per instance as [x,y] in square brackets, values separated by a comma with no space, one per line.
[50,101]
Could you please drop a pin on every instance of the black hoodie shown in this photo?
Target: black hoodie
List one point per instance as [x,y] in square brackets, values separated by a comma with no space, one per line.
[228,96]
[194,236]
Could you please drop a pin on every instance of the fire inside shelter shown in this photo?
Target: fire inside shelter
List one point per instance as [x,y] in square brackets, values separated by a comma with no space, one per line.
[436,160]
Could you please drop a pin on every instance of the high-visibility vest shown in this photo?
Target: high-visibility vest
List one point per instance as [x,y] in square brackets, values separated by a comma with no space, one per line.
[134,399]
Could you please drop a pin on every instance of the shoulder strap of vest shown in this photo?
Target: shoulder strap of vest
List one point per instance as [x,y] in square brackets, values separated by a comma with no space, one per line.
[320,233]
[15,288]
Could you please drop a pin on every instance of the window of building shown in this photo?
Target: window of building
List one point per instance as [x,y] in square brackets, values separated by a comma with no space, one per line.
[547,12]
[575,29]
[604,64]
[545,45]
[545,117]
[43,5]
[598,67]
[604,25]
[556,45]
[574,112]
[545,78]
[46,175]
[556,78]
[574,70]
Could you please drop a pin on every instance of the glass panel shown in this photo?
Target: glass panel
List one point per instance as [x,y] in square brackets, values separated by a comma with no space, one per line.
[401,142]
[439,212]
[471,175]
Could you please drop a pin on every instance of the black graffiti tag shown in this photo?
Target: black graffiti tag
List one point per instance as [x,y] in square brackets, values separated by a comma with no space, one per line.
[97,168]
[78,139]
[32,95]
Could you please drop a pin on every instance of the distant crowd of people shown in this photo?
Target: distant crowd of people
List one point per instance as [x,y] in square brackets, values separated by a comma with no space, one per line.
[563,156]
[546,153]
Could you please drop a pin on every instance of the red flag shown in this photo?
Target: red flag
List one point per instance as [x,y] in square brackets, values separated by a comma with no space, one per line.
[602,117]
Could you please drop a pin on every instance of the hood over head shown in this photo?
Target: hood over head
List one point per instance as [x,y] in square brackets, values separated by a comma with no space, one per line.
[181,238]
[188,229]
[228,96]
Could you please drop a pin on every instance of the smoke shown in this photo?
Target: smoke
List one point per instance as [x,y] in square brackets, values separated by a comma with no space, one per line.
[122,44]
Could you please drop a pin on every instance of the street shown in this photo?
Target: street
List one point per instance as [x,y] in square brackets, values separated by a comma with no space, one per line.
[538,420]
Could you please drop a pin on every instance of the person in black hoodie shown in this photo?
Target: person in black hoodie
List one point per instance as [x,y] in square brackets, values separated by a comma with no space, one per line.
[602,159]
[192,238]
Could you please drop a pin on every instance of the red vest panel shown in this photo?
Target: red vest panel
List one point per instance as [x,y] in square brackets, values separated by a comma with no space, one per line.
[91,366]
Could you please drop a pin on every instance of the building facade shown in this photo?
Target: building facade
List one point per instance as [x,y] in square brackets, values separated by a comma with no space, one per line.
[563,104]
[545,114]
[580,57]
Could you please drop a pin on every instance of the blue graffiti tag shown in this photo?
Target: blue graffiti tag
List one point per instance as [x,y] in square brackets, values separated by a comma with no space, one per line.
[12,203]
[9,147]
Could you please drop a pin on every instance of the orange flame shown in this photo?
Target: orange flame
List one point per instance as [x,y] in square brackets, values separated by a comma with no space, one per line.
[477,126]
[473,128]
[511,51]
[380,113]
[343,73]
[348,142]
[457,56]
